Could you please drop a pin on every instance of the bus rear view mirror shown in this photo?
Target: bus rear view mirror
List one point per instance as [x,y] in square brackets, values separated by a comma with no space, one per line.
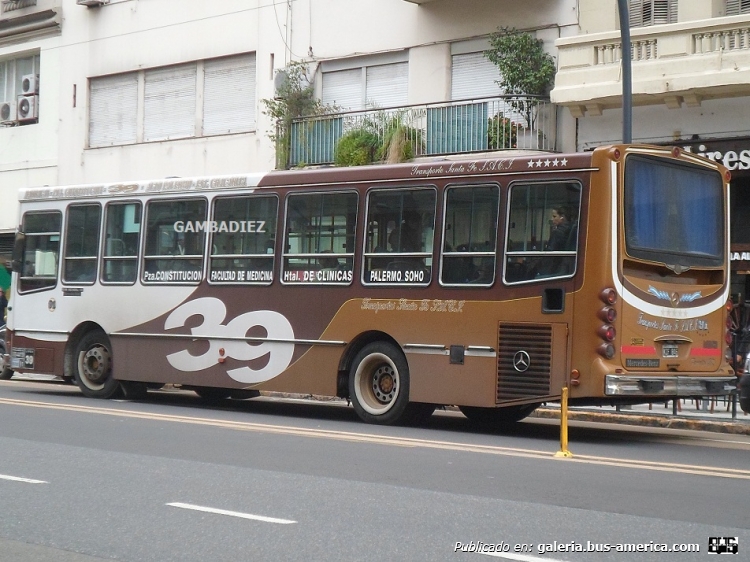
[18,247]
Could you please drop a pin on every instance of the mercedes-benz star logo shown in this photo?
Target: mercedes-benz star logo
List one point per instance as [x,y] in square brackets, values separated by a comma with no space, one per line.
[521,361]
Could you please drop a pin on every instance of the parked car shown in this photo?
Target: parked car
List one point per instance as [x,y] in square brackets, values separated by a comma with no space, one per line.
[5,371]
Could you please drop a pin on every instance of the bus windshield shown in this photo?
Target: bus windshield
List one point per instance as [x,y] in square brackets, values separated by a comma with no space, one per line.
[673,214]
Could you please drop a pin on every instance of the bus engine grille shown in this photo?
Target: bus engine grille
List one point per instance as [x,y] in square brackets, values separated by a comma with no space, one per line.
[524,361]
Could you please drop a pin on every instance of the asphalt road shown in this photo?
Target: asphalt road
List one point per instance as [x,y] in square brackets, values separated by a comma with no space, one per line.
[172,478]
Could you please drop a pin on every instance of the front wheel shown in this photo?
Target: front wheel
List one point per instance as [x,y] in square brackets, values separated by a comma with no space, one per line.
[379,384]
[497,416]
[93,369]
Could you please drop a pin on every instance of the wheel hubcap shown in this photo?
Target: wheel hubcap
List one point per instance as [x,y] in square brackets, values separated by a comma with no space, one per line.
[384,384]
[95,364]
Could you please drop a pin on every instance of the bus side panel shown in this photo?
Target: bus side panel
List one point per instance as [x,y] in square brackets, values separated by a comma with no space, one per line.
[31,355]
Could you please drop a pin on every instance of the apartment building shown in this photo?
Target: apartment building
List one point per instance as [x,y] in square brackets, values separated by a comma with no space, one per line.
[691,88]
[108,90]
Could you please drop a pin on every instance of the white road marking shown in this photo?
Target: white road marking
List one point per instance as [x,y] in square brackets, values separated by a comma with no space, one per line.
[231,513]
[519,557]
[25,480]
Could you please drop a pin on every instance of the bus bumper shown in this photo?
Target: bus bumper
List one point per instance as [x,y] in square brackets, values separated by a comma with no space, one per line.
[634,385]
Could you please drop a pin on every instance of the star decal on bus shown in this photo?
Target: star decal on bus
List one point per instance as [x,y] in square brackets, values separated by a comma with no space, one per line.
[547,163]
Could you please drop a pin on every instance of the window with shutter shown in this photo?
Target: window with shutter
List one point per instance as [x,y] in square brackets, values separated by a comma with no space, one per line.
[382,85]
[652,12]
[473,76]
[113,110]
[229,95]
[169,103]
[736,7]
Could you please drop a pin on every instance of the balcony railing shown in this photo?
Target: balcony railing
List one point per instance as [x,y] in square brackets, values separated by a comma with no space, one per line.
[674,64]
[474,125]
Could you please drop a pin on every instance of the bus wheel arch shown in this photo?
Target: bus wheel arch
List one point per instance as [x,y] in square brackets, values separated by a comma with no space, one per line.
[379,383]
[92,364]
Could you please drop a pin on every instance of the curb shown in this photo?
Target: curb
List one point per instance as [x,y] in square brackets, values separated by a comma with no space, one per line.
[653,420]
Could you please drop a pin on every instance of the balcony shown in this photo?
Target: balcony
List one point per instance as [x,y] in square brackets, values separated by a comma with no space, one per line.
[675,64]
[465,126]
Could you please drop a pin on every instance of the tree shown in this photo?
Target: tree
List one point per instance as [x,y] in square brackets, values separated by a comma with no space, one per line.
[295,98]
[525,68]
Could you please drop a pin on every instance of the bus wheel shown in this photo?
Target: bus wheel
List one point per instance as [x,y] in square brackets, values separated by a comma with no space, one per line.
[6,374]
[497,416]
[93,372]
[379,384]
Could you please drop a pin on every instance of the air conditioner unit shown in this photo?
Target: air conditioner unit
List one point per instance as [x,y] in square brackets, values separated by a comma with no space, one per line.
[7,112]
[30,84]
[27,108]
[92,3]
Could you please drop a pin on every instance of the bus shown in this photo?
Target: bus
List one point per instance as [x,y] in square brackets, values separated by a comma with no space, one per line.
[488,283]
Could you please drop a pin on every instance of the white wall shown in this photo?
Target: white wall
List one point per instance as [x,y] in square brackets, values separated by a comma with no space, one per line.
[129,35]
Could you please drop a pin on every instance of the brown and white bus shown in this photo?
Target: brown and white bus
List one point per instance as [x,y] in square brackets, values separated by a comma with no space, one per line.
[490,284]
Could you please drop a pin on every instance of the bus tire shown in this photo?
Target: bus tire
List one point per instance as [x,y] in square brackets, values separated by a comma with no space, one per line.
[6,374]
[93,367]
[379,384]
[497,416]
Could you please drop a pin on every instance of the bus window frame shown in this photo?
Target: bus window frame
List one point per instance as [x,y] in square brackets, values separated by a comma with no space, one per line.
[272,255]
[454,253]
[541,253]
[59,233]
[64,252]
[139,247]
[285,240]
[365,255]
[143,256]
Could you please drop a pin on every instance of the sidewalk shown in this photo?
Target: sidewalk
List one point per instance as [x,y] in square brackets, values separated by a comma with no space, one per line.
[703,415]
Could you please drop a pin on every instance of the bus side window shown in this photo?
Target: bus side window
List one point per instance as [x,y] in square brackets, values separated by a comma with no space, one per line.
[41,250]
[175,241]
[400,235]
[122,238]
[543,220]
[245,232]
[82,232]
[319,242]
[470,235]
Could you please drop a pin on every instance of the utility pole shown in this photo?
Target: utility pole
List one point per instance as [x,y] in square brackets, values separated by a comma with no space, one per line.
[627,78]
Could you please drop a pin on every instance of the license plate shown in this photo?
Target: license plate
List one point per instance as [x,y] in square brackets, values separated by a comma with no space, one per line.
[669,350]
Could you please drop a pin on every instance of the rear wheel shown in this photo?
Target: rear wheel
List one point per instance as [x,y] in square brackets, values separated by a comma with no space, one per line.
[497,416]
[379,384]
[6,374]
[93,370]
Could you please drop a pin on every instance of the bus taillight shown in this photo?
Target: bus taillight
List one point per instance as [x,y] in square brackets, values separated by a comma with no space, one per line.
[608,296]
[608,314]
[607,333]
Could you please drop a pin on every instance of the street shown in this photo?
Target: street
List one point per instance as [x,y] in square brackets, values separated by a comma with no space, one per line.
[174,478]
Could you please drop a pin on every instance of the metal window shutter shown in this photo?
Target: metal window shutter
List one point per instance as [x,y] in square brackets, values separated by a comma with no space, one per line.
[169,103]
[343,88]
[113,110]
[652,12]
[229,95]
[736,7]
[387,85]
[473,76]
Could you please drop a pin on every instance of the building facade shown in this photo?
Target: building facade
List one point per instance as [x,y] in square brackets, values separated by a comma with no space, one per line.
[109,90]
[691,88]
